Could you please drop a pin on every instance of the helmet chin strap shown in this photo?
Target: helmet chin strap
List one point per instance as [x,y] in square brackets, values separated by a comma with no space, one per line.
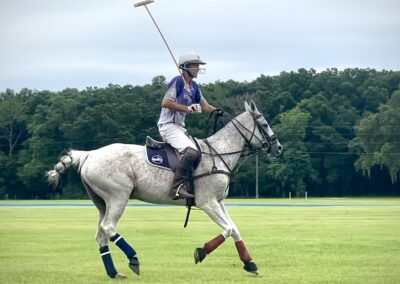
[188,72]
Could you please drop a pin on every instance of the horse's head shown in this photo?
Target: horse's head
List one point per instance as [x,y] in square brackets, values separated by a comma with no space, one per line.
[263,137]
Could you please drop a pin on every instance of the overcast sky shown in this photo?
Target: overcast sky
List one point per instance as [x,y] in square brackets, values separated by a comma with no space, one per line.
[54,44]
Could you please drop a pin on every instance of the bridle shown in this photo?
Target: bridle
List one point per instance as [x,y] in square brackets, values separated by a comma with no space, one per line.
[271,141]
[265,141]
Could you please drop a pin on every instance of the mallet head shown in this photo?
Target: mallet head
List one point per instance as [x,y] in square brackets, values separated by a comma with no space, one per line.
[142,3]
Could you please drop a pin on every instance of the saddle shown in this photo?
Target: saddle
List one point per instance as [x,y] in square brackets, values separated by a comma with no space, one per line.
[163,155]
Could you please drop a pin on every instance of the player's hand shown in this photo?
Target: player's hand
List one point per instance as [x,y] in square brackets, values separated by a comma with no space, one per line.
[195,108]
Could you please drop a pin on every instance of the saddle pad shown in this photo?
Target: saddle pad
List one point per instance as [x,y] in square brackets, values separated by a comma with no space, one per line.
[164,158]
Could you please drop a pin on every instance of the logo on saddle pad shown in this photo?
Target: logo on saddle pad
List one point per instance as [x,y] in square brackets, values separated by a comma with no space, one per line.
[157,159]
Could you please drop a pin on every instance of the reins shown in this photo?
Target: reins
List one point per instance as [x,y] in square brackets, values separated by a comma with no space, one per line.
[244,152]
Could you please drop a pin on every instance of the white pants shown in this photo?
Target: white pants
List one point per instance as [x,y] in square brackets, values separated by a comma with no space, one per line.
[176,136]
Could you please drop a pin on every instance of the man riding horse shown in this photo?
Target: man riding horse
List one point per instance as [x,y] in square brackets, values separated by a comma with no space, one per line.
[129,174]
[183,97]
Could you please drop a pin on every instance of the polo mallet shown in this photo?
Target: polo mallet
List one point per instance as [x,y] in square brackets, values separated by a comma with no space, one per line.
[144,3]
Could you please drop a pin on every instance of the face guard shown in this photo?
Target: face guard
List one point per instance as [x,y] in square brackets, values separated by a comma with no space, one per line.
[191,62]
[193,69]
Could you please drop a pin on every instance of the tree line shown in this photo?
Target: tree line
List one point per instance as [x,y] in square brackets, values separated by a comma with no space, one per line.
[340,131]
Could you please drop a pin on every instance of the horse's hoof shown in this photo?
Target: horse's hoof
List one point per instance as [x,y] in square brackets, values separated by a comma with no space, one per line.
[251,267]
[134,265]
[119,276]
[199,255]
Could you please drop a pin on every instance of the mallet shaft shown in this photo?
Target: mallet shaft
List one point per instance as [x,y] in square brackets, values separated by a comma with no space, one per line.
[144,3]
[163,38]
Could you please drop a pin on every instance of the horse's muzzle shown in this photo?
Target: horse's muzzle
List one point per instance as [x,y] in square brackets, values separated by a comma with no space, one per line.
[275,149]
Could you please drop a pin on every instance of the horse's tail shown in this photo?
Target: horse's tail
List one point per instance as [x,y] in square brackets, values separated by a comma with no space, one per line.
[72,157]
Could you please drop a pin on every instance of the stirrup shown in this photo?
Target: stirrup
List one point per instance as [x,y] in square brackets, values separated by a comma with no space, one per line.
[184,194]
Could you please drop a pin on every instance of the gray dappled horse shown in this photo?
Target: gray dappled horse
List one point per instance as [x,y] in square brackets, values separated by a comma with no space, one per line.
[114,172]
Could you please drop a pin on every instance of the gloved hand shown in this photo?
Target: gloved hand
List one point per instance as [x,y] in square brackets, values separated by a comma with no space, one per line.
[219,112]
[195,108]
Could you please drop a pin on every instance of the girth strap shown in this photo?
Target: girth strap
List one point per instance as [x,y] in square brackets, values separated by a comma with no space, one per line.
[212,172]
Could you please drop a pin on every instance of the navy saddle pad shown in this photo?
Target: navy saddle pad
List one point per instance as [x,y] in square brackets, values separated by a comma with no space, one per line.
[161,154]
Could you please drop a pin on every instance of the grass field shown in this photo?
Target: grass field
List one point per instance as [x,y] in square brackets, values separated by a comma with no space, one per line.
[290,244]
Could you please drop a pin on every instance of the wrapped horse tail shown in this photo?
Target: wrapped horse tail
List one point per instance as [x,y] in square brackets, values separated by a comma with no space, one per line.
[71,158]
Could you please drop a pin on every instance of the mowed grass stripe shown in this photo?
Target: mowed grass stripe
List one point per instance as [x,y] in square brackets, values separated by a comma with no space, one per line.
[289,244]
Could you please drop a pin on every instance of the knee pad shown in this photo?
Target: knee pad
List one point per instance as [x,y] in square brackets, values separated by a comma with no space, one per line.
[188,158]
[190,154]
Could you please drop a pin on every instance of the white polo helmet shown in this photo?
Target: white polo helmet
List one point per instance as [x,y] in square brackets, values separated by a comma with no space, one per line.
[189,58]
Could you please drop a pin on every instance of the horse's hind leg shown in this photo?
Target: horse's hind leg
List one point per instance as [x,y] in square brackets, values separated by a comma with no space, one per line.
[114,209]
[101,207]
[101,236]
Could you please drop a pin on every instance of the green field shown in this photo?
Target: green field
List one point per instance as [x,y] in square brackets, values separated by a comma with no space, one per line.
[290,244]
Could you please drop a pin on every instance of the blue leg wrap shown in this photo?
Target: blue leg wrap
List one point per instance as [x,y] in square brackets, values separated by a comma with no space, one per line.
[124,246]
[108,262]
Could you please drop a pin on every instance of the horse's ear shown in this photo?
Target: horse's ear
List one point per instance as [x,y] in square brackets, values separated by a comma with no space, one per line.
[247,107]
[254,107]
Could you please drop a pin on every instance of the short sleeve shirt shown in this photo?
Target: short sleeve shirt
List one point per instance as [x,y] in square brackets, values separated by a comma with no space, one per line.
[178,92]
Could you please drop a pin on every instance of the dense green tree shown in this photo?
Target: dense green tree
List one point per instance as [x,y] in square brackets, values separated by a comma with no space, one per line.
[290,172]
[378,138]
[313,114]
[12,122]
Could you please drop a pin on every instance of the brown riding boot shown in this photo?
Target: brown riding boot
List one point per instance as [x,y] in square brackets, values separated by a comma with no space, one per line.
[180,187]
[181,183]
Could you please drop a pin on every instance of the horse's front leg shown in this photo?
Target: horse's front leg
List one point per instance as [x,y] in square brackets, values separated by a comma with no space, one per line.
[214,211]
[244,255]
[219,214]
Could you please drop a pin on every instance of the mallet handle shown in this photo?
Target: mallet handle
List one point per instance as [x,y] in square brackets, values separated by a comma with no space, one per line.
[141,3]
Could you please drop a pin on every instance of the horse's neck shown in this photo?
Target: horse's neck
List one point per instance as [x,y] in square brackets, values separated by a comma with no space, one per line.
[229,140]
